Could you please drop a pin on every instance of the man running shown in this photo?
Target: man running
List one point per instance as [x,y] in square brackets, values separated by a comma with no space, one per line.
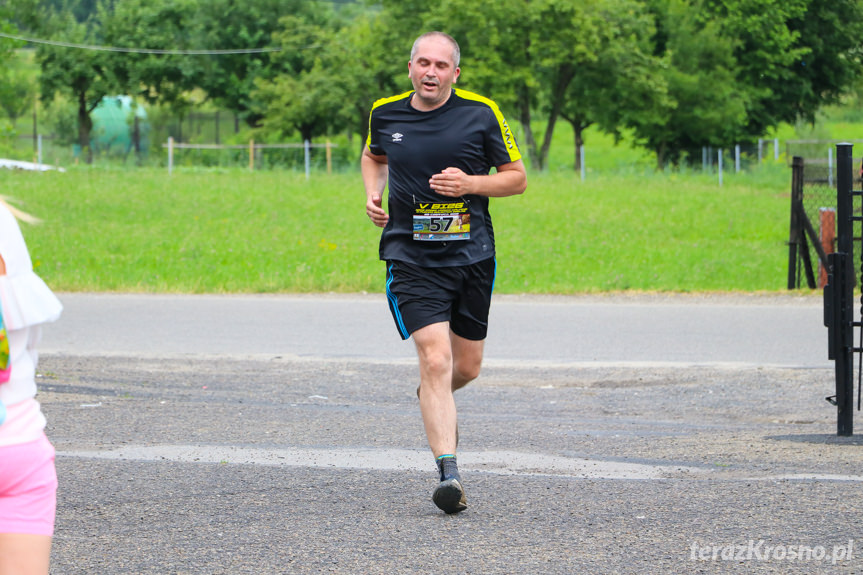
[436,147]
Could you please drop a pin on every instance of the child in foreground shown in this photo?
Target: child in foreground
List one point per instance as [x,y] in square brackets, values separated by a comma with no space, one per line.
[28,480]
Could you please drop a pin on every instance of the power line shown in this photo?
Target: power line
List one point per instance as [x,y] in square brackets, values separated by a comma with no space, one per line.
[140,50]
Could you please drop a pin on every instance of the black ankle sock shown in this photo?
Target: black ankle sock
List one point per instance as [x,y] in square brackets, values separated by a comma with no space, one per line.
[448,467]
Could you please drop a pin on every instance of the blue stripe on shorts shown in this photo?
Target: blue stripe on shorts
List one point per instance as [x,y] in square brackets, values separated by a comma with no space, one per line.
[394,305]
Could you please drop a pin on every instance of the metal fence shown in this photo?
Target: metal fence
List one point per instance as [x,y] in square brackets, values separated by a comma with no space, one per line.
[839,312]
[215,135]
[813,206]
[731,159]
[295,156]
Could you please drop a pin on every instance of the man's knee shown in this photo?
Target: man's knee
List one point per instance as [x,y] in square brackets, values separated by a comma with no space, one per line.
[434,349]
[436,364]
[468,369]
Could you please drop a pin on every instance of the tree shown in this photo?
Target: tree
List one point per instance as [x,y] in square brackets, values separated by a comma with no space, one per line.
[79,74]
[563,51]
[833,64]
[17,92]
[7,46]
[597,67]
[706,105]
[369,68]
[9,92]
[170,25]
[548,59]
[794,56]
[308,92]
[765,50]
[373,50]
[229,79]
[495,38]
[86,75]
[20,15]
[80,10]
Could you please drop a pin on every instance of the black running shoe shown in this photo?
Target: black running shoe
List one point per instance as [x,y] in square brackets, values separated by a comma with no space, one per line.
[449,494]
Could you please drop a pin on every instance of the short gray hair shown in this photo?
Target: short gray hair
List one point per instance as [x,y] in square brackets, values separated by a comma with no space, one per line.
[456,51]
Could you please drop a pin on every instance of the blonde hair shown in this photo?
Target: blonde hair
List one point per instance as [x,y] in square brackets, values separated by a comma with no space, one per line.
[19,215]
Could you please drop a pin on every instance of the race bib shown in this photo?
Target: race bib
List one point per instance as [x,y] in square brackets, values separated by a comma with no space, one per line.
[441,222]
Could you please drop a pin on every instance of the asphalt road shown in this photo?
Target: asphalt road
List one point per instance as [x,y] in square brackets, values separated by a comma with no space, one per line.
[281,434]
[681,330]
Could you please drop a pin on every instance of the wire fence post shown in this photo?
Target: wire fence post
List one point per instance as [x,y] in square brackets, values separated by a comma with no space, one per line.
[252,148]
[581,163]
[35,120]
[170,155]
[720,167]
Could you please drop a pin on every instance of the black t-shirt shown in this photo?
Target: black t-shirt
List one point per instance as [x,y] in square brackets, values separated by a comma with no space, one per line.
[468,132]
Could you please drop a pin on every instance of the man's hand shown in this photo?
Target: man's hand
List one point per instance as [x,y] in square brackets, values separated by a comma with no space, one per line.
[375,212]
[375,172]
[509,179]
[452,182]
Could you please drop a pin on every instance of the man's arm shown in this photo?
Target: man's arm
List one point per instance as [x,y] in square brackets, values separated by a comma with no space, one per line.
[510,180]
[375,171]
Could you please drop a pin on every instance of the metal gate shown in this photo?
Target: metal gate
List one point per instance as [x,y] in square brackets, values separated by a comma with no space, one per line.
[839,295]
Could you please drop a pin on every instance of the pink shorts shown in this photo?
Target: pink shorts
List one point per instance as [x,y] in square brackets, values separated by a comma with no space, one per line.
[28,488]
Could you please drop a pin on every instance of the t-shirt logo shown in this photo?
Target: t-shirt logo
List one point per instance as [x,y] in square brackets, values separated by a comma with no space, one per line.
[398,137]
[507,136]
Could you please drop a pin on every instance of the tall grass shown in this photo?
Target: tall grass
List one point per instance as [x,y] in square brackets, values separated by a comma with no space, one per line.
[232,231]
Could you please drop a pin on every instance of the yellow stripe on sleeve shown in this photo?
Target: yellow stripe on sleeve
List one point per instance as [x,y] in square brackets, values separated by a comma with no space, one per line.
[505,132]
[379,103]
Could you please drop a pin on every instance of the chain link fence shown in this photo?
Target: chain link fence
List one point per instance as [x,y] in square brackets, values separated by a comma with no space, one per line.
[816,197]
[141,140]
[730,159]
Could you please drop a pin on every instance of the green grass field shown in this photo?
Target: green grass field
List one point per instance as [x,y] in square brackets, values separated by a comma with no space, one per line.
[201,231]
[114,227]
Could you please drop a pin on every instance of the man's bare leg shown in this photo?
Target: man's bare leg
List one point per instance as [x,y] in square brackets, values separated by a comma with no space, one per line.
[435,352]
[466,360]
[437,405]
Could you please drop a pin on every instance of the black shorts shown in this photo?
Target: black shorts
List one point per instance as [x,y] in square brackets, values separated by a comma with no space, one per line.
[461,295]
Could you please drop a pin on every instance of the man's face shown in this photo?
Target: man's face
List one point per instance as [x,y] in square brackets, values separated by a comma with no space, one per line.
[432,72]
